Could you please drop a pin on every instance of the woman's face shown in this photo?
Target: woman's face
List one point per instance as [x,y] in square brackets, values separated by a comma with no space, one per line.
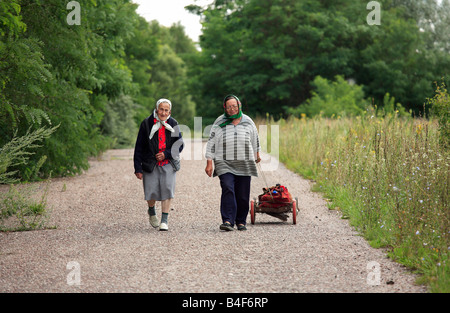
[232,107]
[163,111]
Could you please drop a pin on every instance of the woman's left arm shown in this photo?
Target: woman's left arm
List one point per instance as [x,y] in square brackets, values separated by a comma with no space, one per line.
[255,142]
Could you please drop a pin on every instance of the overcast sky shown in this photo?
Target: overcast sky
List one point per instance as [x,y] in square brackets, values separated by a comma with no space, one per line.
[167,12]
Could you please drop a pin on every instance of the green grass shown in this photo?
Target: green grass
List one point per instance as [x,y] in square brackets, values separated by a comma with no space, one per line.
[388,175]
[24,208]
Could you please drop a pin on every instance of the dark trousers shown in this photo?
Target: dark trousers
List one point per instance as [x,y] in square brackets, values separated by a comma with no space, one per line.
[234,202]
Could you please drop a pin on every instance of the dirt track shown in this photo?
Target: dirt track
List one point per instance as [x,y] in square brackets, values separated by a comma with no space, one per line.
[102,227]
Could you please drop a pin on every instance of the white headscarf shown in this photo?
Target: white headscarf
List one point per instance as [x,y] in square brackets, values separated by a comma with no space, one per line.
[158,124]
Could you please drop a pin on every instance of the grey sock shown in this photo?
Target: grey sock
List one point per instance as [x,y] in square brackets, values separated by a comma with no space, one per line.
[164,217]
[151,211]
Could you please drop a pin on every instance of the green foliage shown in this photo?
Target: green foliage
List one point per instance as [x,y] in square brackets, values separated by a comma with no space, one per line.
[171,77]
[390,107]
[97,80]
[160,69]
[10,20]
[440,104]
[118,121]
[17,152]
[24,74]
[332,99]
[23,209]
[142,50]
[269,52]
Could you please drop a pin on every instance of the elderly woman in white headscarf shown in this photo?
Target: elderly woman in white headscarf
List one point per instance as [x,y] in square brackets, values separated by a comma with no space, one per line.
[156,160]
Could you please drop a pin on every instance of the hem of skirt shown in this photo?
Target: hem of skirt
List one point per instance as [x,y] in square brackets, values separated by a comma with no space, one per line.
[158,199]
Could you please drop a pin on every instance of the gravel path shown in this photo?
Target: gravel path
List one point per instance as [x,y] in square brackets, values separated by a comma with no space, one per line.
[102,227]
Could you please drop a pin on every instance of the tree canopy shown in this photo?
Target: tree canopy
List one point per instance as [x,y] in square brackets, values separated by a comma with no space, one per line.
[96,80]
[270,51]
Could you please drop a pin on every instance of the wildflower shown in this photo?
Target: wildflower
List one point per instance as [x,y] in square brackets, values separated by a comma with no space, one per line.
[417,232]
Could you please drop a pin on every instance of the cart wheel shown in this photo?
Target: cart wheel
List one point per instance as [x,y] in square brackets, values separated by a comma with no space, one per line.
[252,211]
[296,202]
[294,212]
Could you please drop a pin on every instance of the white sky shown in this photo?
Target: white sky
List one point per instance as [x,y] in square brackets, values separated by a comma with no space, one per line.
[168,12]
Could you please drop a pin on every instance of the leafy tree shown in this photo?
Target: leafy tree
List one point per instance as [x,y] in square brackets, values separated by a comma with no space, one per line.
[119,123]
[95,80]
[160,69]
[141,52]
[59,74]
[269,52]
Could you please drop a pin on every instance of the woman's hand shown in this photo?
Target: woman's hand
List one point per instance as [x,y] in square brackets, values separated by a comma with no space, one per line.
[258,159]
[139,175]
[160,156]
[209,168]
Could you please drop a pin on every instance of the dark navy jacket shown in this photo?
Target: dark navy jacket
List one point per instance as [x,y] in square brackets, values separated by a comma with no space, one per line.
[145,149]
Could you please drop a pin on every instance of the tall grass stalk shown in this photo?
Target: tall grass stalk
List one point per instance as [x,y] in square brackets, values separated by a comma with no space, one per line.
[389,175]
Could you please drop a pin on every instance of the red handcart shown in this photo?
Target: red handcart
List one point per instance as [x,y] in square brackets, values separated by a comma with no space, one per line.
[275,201]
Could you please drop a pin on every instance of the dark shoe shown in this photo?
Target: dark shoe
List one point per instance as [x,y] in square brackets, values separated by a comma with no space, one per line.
[241,227]
[226,226]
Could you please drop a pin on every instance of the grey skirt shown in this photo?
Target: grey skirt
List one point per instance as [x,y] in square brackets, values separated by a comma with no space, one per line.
[159,185]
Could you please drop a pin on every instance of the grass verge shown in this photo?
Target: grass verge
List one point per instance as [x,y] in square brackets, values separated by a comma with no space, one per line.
[388,175]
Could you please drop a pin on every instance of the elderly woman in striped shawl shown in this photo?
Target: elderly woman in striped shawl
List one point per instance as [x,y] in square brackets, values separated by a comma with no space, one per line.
[234,148]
